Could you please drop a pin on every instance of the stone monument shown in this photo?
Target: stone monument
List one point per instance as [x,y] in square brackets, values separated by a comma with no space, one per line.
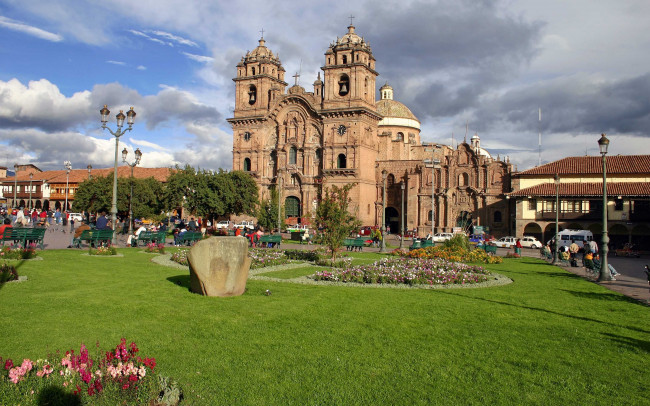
[219,266]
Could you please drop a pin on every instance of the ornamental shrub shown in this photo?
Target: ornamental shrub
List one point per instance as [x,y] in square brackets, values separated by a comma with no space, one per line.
[107,250]
[302,255]
[8,273]
[14,252]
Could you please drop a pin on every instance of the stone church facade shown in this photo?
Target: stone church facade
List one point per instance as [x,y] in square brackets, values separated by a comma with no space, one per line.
[298,142]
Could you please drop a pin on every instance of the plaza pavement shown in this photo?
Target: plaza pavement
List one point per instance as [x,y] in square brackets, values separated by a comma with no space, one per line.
[631,282]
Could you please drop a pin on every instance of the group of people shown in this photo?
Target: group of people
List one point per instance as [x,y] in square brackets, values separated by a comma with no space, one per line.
[24,217]
[589,251]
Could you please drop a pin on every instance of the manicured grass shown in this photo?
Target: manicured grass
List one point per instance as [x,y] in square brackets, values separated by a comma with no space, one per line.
[291,273]
[549,338]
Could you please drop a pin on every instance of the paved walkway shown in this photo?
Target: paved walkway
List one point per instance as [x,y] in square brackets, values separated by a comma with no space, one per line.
[631,282]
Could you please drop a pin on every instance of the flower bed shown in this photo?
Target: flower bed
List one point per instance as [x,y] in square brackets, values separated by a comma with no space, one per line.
[263,257]
[154,248]
[105,251]
[8,273]
[453,254]
[120,376]
[180,257]
[407,271]
[18,252]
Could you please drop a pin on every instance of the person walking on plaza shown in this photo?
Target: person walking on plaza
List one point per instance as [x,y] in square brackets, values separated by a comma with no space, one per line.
[518,246]
[57,219]
[573,253]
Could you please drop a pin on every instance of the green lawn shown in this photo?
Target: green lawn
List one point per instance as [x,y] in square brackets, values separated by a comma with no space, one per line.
[549,338]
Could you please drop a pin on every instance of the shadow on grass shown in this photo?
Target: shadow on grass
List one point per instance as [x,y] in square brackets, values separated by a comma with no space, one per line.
[180,280]
[607,296]
[539,309]
[53,395]
[629,342]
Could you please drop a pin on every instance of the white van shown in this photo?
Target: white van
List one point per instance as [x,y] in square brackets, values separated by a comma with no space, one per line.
[580,237]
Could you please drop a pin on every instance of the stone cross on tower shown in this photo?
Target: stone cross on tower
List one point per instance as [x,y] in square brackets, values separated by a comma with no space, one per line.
[296,76]
[262,32]
[351,18]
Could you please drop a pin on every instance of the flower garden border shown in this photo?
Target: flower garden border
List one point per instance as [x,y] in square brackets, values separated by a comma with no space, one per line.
[254,274]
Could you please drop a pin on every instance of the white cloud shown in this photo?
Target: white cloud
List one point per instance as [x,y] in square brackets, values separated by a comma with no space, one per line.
[117,63]
[30,30]
[175,38]
[141,67]
[147,144]
[199,58]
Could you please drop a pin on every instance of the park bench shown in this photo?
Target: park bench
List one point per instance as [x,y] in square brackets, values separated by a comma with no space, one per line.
[146,237]
[94,238]
[275,240]
[24,236]
[421,244]
[489,249]
[352,244]
[189,237]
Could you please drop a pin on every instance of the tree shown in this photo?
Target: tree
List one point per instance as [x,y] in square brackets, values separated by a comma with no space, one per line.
[333,217]
[96,195]
[267,215]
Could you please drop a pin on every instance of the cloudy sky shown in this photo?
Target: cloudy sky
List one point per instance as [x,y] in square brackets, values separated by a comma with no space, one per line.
[488,65]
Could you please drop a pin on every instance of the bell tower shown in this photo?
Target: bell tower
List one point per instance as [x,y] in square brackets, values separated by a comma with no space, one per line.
[260,79]
[349,73]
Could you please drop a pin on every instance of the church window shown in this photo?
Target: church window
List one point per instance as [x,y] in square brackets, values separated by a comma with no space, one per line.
[497,216]
[253,71]
[252,94]
[247,136]
[293,153]
[344,85]
[345,59]
[430,215]
[247,165]
[341,161]
[390,180]
[368,209]
[357,57]
[400,136]
[463,179]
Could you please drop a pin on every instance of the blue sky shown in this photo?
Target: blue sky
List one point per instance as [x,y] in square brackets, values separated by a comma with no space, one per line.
[489,64]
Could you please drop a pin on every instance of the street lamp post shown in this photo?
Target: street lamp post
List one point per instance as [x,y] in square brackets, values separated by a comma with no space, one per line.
[557,216]
[31,176]
[15,182]
[605,274]
[138,155]
[382,247]
[279,200]
[130,116]
[68,167]
[90,167]
[401,240]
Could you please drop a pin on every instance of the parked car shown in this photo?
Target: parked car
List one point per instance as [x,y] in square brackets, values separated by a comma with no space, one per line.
[245,224]
[224,224]
[530,242]
[442,237]
[505,242]
[78,217]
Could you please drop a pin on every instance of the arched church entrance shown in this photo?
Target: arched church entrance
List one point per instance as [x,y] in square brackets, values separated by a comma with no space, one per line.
[292,207]
[392,220]
[464,220]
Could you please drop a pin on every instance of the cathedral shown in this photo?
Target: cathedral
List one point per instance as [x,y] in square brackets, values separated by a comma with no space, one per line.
[299,141]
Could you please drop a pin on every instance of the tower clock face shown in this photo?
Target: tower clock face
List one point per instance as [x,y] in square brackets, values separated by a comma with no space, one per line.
[342,129]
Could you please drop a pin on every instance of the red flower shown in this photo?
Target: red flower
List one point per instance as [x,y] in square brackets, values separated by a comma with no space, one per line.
[9,364]
[98,385]
[125,386]
[133,378]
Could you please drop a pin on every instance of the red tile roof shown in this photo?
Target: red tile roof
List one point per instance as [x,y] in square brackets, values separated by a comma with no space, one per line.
[586,189]
[583,165]
[79,175]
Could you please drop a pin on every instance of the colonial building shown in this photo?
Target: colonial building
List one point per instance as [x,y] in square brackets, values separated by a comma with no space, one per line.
[53,189]
[580,193]
[298,141]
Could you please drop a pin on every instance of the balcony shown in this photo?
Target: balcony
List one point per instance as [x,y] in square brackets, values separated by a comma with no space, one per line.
[549,215]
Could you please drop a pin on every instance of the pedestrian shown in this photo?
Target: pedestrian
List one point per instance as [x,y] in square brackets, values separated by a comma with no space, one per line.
[573,253]
[518,247]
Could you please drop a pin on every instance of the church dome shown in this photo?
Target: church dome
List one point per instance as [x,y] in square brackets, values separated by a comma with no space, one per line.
[261,52]
[394,112]
[351,40]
